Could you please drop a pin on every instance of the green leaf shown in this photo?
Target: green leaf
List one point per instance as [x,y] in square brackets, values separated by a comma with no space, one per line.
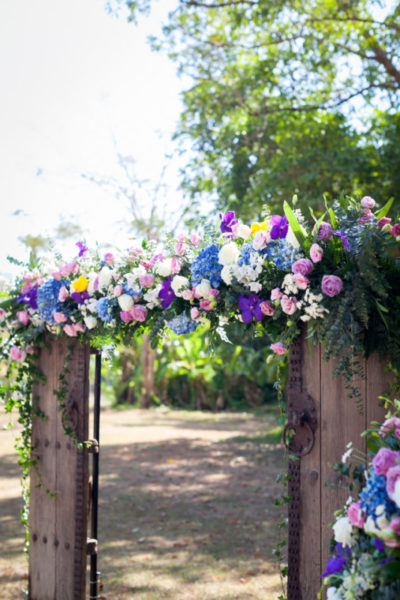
[332,217]
[294,224]
[393,569]
[374,443]
[384,211]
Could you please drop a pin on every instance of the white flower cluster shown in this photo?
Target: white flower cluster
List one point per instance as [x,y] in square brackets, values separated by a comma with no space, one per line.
[312,306]
[247,275]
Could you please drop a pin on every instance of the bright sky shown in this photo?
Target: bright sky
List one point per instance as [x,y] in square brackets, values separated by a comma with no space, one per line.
[78,85]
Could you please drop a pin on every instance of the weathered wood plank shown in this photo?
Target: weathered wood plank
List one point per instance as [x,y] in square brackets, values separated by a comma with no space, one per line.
[64,518]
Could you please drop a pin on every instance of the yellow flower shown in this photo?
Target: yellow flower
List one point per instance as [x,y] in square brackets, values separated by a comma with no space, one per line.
[80,285]
[259,227]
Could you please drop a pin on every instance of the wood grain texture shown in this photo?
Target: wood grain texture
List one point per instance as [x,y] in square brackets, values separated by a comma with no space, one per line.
[57,569]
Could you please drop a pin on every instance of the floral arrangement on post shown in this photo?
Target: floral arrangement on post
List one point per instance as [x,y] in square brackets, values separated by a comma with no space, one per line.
[339,274]
[365,562]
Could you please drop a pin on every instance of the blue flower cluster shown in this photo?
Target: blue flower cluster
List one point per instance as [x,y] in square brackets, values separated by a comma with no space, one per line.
[47,299]
[375,494]
[102,308]
[206,266]
[247,251]
[182,324]
[282,254]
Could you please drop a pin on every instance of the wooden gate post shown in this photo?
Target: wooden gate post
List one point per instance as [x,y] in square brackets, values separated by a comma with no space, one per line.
[58,524]
[333,420]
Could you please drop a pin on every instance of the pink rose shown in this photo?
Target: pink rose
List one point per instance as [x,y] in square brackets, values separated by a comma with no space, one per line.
[395,525]
[267,308]
[260,240]
[146,280]
[316,253]
[384,460]
[391,425]
[109,258]
[194,313]
[176,265]
[355,514]
[116,276]
[59,317]
[367,202]
[117,291]
[2,314]
[30,350]
[17,354]
[384,221]
[303,266]
[195,238]
[395,230]
[80,327]
[289,304]
[70,330]
[181,248]
[278,348]
[331,285]
[187,294]
[23,317]
[365,215]
[126,316]
[207,304]
[146,264]
[325,231]
[139,312]
[301,281]
[214,292]
[392,477]
[63,294]
[276,294]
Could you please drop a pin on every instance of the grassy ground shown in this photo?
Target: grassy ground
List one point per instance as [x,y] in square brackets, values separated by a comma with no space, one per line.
[186,507]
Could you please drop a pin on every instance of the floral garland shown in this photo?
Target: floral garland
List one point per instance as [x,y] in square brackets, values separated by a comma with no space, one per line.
[365,562]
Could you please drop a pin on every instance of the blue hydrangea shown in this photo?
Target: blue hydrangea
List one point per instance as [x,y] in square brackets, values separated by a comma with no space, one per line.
[282,254]
[47,299]
[182,324]
[206,266]
[102,308]
[375,494]
[130,291]
[246,253]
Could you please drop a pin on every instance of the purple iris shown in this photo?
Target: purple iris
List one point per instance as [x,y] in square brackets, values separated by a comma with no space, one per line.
[250,307]
[80,297]
[279,227]
[341,234]
[337,562]
[30,297]
[227,221]
[166,293]
[82,248]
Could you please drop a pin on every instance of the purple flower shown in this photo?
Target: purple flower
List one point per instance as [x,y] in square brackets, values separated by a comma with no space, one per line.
[227,221]
[331,285]
[379,545]
[30,297]
[338,560]
[279,227]
[166,293]
[82,248]
[341,234]
[80,297]
[324,231]
[384,459]
[250,307]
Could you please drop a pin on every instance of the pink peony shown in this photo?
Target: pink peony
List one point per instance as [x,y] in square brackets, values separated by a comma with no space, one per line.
[355,514]
[316,253]
[392,477]
[117,290]
[301,281]
[260,240]
[278,348]
[384,221]
[176,265]
[276,294]
[289,304]
[367,202]
[365,215]
[187,294]
[63,294]
[303,266]
[109,258]
[195,238]
[267,308]
[147,280]
[59,317]
[384,460]
[395,230]
[194,313]
[18,354]
[139,312]
[2,314]
[23,317]
[325,231]
[331,285]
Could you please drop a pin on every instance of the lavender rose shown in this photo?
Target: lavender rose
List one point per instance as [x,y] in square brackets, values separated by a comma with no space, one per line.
[367,202]
[384,460]
[393,484]
[324,231]
[331,285]
[303,266]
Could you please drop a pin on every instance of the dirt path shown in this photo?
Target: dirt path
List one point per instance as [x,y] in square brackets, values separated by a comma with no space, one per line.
[186,507]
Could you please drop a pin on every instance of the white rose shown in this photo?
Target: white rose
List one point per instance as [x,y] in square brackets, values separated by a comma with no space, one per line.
[333,594]
[226,274]
[203,289]
[260,240]
[90,321]
[105,277]
[229,254]
[343,530]
[125,301]
[179,283]
[255,286]
[370,527]
[164,268]
[243,231]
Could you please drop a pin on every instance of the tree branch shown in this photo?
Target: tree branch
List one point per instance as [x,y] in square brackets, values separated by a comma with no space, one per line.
[199,4]
[383,59]
[387,24]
